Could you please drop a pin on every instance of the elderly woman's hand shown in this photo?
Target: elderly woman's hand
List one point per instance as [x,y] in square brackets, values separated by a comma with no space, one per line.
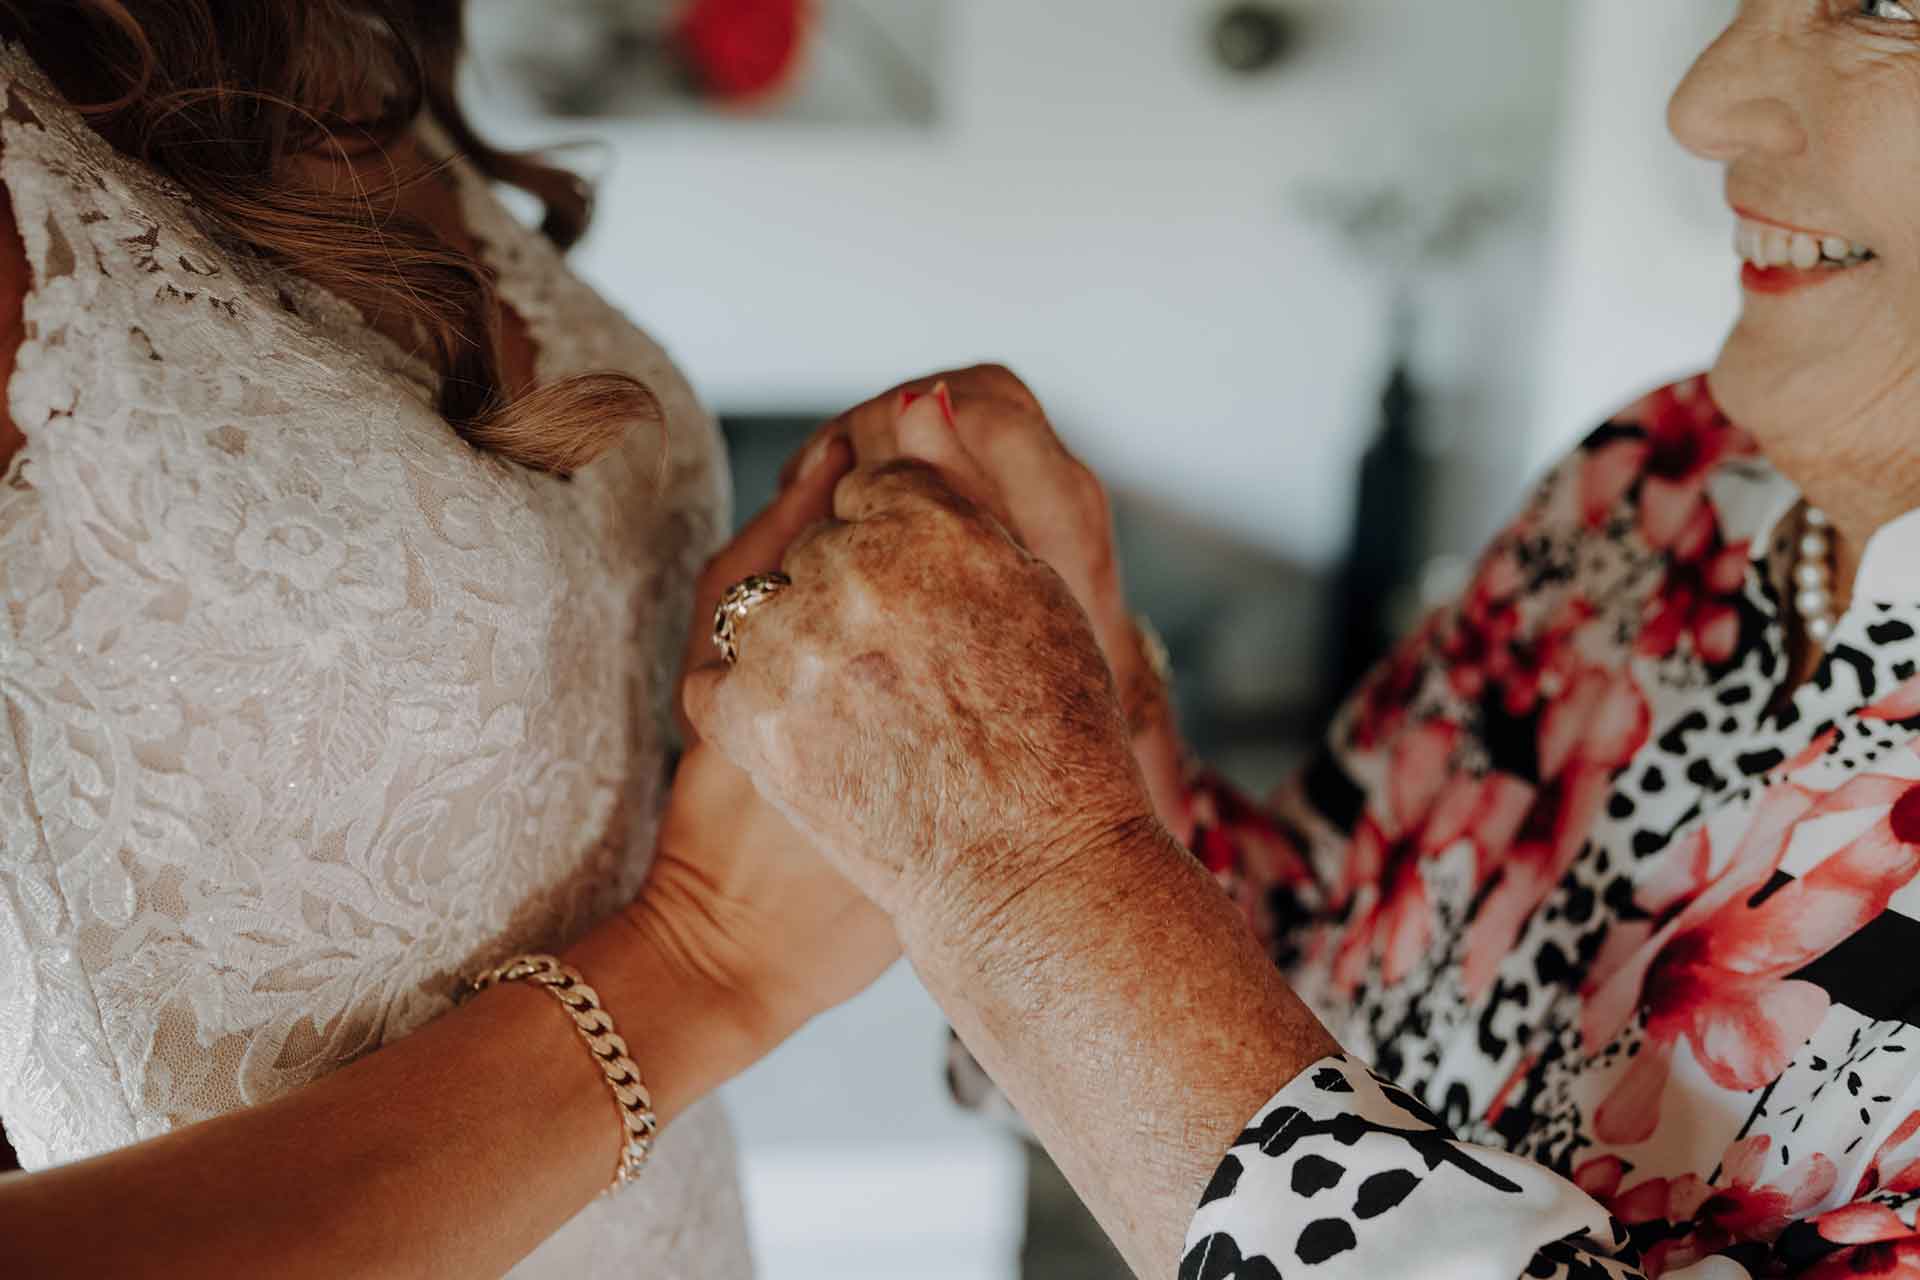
[993,442]
[927,702]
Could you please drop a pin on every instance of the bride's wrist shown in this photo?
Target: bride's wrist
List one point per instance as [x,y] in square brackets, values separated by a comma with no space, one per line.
[686,1030]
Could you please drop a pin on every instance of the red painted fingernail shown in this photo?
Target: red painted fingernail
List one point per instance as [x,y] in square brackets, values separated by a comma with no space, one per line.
[945,396]
[906,401]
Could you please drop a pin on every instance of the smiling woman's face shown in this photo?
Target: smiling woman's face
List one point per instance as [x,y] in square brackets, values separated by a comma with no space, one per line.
[1813,106]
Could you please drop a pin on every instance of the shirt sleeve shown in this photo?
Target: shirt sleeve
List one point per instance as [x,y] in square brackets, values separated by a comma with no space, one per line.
[1345,1177]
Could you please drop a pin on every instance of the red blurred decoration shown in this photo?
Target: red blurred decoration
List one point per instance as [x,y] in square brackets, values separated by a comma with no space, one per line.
[743,51]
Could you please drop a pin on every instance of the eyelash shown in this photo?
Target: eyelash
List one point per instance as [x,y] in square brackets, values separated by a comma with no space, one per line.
[1878,11]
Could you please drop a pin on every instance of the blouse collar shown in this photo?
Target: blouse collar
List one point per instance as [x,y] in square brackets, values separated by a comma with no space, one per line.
[1753,501]
[1890,566]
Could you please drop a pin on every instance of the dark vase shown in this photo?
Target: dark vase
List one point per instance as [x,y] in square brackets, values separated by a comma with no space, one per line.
[1387,541]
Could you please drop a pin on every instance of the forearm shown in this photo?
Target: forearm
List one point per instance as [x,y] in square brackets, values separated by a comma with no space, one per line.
[453,1152]
[1123,1007]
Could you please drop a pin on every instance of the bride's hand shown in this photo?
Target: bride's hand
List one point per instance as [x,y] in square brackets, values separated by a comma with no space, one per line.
[735,894]
[992,440]
[743,901]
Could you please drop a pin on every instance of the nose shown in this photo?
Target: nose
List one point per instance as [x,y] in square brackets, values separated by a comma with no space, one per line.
[1738,98]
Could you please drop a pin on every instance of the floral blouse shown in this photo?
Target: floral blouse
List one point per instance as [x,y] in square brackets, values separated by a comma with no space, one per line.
[1629,933]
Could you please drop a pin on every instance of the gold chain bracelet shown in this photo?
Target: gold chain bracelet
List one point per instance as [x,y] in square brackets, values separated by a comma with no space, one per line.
[638,1124]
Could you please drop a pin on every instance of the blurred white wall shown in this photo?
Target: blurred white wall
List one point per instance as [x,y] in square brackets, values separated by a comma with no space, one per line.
[856,1164]
[1108,213]
[1643,284]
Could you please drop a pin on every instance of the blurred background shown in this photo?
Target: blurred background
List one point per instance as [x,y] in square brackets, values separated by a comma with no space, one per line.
[1317,285]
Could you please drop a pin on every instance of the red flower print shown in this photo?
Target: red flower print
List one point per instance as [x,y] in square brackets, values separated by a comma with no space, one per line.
[1427,809]
[1515,1079]
[1808,755]
[1714,1216]
[1882,1245]
[1699,598]
[1473,642]
[1896,1165]
[1524,669]
[1715,973]
[1902,704]
[1683,437]
[1544,666]
[1388,693]
[1247,851]
[1591,730]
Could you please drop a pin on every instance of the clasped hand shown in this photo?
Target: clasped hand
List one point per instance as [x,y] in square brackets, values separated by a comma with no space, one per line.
[933,706]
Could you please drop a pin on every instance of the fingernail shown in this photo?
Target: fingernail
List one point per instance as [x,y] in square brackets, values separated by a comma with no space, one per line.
[944,395]
[906,401]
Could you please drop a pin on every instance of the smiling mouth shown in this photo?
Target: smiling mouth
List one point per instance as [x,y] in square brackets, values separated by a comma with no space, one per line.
[1781,259]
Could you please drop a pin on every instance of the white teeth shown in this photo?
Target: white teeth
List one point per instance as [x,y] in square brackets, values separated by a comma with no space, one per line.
[1765,245]
[1778,248]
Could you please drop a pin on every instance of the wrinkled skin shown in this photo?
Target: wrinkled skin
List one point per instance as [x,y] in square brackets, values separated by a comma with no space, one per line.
[993,442]
[749,902]
[931,706]
[928,702]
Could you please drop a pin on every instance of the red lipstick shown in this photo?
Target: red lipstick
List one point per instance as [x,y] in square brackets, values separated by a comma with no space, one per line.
[1778,280]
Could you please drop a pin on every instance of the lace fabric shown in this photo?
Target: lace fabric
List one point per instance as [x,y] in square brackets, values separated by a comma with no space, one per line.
[310,708]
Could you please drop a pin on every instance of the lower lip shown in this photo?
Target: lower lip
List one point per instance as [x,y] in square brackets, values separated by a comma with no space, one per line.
[1778,280]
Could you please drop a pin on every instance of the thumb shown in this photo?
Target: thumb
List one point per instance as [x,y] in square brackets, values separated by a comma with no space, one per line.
[759,548]
[927,431]
[806,501]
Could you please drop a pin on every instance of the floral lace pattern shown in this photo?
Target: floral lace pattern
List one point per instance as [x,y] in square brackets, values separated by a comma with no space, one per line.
[310,708]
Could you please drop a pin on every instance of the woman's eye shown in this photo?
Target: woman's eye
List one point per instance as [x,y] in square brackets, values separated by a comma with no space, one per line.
[1886,10]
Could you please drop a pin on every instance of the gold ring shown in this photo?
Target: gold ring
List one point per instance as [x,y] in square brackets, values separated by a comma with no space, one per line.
[740,600]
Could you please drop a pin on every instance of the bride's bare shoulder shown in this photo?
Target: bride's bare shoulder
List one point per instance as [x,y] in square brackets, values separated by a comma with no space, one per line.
[14,282]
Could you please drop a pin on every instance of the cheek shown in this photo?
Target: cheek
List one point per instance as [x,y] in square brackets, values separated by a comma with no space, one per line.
[1869,151]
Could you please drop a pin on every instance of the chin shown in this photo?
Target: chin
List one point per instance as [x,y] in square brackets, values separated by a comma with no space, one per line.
[1777,380]
[1750,379]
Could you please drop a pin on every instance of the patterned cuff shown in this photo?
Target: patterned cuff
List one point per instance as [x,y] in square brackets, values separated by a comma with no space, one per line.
[1344,1176]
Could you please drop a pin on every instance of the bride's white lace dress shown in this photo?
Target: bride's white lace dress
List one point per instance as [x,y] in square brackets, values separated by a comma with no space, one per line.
[309,708]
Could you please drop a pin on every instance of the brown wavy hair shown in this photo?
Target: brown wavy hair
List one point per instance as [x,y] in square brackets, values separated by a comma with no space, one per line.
[222,95]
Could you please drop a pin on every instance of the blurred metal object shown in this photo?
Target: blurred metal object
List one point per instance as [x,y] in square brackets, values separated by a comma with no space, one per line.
[1249,39]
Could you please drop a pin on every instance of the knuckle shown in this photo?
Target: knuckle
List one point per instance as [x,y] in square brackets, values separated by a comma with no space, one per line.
[917,483]
[996,428]
[978,539]
[1004,382]
[805,551]
[901,472]
[1086,491]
